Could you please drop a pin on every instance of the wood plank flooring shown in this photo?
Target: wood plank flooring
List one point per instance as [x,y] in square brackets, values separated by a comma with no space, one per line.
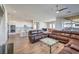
[23,46]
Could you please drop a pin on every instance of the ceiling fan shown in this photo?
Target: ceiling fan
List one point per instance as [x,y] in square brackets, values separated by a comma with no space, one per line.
[59,10]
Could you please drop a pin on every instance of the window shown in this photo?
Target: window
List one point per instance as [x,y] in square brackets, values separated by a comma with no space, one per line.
[71,26]
[52,25]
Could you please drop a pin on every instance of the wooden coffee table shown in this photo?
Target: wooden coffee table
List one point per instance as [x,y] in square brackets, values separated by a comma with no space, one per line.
[53,44]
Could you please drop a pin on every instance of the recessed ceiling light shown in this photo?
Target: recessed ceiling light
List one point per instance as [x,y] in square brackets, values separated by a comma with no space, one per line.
[69,11]
[57,12]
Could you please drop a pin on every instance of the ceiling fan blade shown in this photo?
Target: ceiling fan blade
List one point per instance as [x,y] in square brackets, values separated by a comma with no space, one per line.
[62,9]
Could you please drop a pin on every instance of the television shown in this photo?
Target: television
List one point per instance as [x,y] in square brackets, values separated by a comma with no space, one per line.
[44,29]
[12,27]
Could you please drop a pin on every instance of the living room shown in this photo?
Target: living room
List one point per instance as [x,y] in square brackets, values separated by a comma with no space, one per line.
[43,29]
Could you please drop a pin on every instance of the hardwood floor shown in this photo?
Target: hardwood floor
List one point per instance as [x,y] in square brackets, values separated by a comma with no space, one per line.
[23,46]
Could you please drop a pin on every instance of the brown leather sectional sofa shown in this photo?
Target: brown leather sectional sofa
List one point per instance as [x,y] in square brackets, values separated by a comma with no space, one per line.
[69,38]
[60,35]
[36,35]
[72,47]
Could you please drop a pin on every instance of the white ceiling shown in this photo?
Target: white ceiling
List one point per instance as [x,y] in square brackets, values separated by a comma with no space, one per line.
[40,11]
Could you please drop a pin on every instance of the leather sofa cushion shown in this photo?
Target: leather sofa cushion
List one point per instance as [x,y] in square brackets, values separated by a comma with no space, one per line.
[74,46]
[60,37]
[61,34]
[75,36]
[37,37]
[74,41]
[64,34]
[68,50]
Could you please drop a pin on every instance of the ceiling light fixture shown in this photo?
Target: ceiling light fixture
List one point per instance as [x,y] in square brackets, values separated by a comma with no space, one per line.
[59,10]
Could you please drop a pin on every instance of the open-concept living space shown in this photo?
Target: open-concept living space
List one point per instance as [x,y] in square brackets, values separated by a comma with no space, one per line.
[39,29]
